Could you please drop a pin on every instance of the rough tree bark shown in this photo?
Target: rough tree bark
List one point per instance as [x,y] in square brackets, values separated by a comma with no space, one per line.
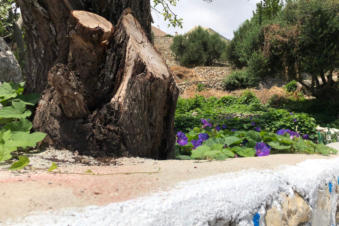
[46,30]
[106,91]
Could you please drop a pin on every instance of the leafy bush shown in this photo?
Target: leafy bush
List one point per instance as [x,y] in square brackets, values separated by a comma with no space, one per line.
[220,143]
[291,86]
[240,113]
[239,80]
[8,16]
[258,66]
[14,126]
[198,48]
[325,113]
[298,38]
[200,87]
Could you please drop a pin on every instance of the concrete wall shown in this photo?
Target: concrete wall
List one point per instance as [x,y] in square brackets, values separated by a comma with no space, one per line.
[304,194]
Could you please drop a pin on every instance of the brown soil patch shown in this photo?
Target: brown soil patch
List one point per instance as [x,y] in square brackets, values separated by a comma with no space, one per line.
[184,74]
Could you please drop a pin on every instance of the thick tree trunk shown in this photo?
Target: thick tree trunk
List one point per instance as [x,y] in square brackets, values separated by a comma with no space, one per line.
[46,30]
[106,93]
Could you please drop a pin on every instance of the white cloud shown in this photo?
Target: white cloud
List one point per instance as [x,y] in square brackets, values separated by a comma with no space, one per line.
[224,16]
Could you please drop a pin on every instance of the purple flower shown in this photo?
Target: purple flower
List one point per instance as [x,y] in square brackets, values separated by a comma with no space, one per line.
[181,135]
[206,123]
[258,129]
[262,149]
[283,131]
[306,137]
[295,120]
[203,136]
[252,123]
[196,143]
[224,127]
[233,130]
[291,113]
[293,134]
[217,128]
[182,139]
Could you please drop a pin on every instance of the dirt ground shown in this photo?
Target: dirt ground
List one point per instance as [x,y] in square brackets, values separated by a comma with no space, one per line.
[75,184]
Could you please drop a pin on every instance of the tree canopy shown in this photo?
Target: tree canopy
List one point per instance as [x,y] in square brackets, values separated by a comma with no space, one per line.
[297,40]
[198,47]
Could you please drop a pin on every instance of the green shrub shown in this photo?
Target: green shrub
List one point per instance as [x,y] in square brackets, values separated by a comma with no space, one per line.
[227,101]
[291,86]
[200,87]
[14,126]
[324,112]
[198,48]
[258,66]
[248,98]
[239,80]
[241,113]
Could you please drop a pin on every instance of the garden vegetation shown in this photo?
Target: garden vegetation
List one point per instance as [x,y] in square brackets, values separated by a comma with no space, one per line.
[297,40]
[198,48]
[241,127]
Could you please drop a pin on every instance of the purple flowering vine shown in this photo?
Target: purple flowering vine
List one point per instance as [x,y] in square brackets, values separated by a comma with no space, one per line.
[203,136]
[305,137]
[206,123]
[262,149]
[292,134]
[182,139]
[196,143]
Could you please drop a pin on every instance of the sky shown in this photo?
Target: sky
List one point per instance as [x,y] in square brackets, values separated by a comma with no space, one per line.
[223,16]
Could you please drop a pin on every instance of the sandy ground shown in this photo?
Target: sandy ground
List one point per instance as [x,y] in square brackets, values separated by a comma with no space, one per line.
[78,185]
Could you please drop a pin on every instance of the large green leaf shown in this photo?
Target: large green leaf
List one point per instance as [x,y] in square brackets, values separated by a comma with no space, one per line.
[20,164]
[217,147]
[5,152]
[23,125]
[214,154]
[232,140]
[16,110]
[228,153]
[244,152]
[278,146]
[24,140]
[199,153]
[29,99]
[7,91]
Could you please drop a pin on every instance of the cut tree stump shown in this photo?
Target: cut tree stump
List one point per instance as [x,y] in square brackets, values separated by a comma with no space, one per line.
[115,96]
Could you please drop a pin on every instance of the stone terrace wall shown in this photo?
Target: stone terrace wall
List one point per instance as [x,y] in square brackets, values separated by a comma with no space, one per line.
[211,78]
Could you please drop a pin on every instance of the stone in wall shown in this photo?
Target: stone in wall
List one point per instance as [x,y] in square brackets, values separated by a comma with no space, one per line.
[322,211]
[293,211]
[9,67]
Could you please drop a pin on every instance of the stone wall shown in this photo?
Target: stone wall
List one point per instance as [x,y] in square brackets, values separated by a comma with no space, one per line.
[210,77]
[305,194]
[212,83]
